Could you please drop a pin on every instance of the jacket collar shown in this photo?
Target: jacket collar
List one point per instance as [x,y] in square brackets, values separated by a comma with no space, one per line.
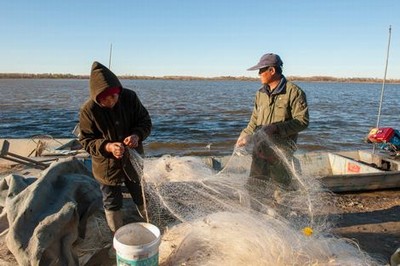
[279,89]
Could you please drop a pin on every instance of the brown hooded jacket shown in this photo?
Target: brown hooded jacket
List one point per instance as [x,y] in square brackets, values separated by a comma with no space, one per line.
[100,125]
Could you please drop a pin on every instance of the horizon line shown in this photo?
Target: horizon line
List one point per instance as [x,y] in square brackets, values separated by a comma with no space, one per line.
[188,77]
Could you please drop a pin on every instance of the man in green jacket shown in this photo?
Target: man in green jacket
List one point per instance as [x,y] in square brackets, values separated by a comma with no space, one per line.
[112,119]
[280,112]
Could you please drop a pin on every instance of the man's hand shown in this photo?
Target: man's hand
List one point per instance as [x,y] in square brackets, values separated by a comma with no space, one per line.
[116,148]
[132,141]
[242,141]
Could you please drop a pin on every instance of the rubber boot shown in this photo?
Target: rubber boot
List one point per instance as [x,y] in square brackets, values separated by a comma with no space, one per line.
[114,220]
[395,258]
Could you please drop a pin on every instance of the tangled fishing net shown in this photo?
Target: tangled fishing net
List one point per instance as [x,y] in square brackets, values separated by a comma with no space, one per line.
[212,213]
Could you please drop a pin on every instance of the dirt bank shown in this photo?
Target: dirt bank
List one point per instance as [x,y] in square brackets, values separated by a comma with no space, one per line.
[372,219]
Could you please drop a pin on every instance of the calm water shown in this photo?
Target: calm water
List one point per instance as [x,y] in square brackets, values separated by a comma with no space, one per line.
[189,115]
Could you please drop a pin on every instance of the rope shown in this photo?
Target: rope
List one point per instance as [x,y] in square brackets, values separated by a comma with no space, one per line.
[138,163]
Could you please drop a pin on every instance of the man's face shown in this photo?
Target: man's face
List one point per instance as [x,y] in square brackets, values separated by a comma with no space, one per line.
[265,74]
[109,101]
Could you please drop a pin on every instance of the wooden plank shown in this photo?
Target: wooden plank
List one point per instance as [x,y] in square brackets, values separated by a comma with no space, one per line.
[362,182]
[5,154]
[5,145]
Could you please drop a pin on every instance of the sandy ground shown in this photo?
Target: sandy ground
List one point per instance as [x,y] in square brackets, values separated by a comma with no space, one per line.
[371,219]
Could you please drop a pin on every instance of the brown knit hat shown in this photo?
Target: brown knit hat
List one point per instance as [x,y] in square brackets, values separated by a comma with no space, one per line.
[101,78]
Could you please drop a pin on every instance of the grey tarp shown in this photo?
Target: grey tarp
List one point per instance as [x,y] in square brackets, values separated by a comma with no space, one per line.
[45,216]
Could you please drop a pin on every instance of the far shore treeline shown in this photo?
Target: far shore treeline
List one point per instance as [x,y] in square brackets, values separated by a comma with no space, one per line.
[292,78]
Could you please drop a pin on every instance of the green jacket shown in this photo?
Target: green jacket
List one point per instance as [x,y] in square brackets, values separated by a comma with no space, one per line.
[286,107]
[99,126]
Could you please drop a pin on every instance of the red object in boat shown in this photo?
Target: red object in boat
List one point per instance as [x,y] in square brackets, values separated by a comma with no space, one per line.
[383,134]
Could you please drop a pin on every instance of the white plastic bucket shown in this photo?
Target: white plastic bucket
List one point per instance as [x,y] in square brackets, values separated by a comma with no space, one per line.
[137,244]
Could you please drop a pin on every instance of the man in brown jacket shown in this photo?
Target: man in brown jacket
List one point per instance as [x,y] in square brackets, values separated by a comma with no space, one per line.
[280,112]
[112,119]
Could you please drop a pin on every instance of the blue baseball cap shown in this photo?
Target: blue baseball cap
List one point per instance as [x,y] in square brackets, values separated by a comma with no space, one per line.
[268,60]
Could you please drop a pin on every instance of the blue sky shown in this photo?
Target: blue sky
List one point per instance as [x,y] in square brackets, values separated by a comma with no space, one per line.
[341,38]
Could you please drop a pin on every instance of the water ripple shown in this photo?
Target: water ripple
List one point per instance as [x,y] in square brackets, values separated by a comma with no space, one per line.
[188,115]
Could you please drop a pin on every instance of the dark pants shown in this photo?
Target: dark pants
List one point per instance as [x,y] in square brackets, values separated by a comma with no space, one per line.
[269,166]
[112,195]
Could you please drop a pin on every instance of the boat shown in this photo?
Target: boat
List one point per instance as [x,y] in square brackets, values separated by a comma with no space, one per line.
[352,171]
[32,155]
[341,171]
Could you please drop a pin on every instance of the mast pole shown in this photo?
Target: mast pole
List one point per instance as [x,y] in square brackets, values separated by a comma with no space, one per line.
[383,84]
[384,79]
[109,59]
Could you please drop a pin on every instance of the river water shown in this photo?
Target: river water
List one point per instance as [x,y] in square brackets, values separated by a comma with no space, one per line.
[188,116]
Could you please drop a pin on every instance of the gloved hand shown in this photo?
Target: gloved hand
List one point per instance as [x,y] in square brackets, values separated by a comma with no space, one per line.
[270,129]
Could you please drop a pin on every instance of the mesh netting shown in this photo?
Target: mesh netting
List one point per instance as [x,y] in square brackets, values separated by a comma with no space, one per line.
[212,213]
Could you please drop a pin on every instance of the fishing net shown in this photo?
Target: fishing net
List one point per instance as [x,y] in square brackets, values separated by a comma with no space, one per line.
[212,213]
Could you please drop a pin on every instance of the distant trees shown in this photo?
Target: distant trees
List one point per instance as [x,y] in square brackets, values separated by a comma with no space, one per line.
[334,79]
[40,76]
[292,78]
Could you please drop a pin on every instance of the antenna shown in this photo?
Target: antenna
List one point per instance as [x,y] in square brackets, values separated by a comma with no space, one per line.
[109,60]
